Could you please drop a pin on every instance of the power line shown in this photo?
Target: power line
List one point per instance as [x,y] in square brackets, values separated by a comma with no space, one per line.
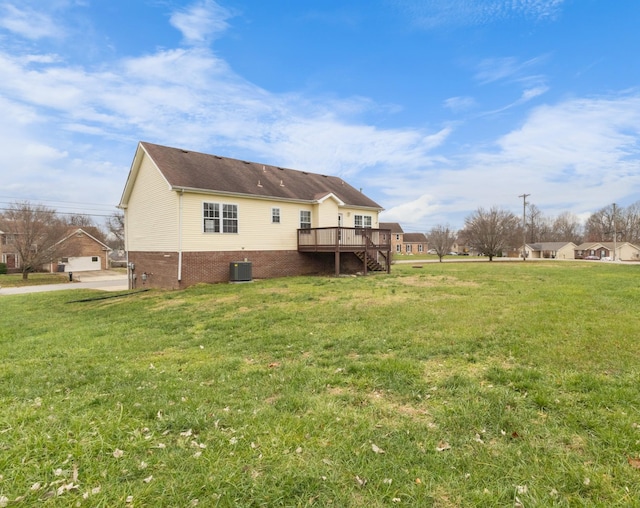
[93,205]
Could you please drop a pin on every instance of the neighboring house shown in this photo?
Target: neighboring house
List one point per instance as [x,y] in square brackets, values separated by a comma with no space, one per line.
[405,243]
[550,250]
[415,243]
[397,236]
[80,251]
[624,251]
[192,217]
[460,247]
[8,255]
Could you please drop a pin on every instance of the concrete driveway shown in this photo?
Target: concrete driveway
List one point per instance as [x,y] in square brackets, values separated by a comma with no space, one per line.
[102,280]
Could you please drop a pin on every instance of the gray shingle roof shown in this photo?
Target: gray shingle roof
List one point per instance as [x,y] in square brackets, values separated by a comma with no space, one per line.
[395,227]
[415,238]
[185,169]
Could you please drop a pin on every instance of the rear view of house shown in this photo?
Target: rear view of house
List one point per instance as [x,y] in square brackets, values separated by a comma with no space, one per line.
[191,217]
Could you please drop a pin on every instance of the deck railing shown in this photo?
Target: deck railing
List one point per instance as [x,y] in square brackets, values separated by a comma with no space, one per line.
[339,239]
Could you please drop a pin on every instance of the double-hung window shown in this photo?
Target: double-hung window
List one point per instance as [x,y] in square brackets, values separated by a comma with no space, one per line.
[275,215]
[362,221]
[211,215]
[305,219]
[229,218]
[220,218]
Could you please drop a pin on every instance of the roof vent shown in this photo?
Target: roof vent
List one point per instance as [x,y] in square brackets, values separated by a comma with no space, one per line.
[259,184]
[281,183]
[264,170]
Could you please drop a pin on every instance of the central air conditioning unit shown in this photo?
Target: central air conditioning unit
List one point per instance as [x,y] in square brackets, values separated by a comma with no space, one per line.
[240,271]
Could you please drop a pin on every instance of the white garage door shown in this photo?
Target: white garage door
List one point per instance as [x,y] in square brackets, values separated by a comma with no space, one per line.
[82,264]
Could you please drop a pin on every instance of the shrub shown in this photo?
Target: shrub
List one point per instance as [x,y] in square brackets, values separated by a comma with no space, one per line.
[3,268]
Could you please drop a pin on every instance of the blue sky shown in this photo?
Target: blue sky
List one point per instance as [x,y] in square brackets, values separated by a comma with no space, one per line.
[433,107]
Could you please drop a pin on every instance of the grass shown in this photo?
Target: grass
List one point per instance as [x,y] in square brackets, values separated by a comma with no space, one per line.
[459,384]
[35,279]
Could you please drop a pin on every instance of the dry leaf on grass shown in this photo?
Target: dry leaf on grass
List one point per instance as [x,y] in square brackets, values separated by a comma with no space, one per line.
[634,462]
[442,446]
[360,481]
[376,449]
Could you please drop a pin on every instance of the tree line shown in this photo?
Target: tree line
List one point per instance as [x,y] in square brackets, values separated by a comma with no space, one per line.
[493,231]
[33,232]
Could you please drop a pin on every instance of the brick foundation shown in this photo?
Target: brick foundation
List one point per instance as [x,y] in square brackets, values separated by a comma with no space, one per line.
[161,268]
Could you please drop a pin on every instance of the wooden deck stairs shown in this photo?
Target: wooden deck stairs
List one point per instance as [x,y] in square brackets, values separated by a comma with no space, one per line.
[372,264]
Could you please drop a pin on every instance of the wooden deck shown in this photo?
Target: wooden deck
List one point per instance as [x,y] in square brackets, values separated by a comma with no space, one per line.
[372,246]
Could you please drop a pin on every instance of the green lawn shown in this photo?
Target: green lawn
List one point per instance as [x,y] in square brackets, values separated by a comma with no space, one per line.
[456,384]
[34,279]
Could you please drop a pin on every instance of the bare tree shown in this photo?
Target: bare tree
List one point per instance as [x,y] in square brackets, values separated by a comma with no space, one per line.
[441,239]
[492,231]
[35,233]
[80,220]
[566,228]
[115,226]
[600,225]
[632,223]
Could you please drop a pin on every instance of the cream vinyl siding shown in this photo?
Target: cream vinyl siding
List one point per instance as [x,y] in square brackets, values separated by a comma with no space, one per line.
[255,229]
[152,212]
[325,214]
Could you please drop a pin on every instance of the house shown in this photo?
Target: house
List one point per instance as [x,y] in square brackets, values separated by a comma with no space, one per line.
[550,250]
[405,243]
[619,251]
[192,217]
[415,243]
[397,235]
[8,256]
[80,251]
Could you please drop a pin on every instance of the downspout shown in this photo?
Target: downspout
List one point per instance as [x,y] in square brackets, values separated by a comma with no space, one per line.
[126,249]
[180,196]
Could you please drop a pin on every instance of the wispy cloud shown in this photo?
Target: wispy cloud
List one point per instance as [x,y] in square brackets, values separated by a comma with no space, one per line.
[459,104]
[429,14]
[190,97]
[201,22]
[28,22]
[594,139]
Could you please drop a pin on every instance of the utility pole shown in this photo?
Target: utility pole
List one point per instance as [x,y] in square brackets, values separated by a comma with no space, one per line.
[524,225]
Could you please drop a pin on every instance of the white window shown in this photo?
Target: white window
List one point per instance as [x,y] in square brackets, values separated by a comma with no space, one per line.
[305,219]
[362,221]
[408,248]
[214,223]
[399,248]
[275,215]
[229,218]
[211,215]
[420,247]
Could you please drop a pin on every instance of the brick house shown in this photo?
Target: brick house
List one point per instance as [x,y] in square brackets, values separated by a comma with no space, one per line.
[415,243]
[405,243]
[8,256]
[620,251]
[192,217]
[80,251]
[397,235]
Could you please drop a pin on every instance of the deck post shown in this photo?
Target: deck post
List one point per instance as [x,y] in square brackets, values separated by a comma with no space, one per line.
[337,256]
[366,248]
